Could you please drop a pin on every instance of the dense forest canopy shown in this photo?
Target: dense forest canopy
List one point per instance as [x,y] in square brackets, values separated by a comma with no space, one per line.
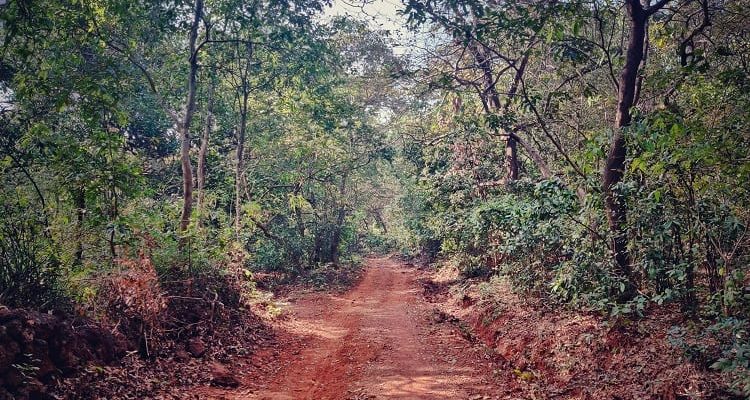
[593,153]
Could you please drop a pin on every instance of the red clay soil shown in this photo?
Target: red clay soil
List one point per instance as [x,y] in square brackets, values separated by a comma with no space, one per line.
[406,333]
[551,352]
[380,340]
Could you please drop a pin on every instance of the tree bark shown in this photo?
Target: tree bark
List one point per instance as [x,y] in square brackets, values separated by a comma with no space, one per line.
[535,156]
[184,125]
[511,159]
[79,200]
[243,85]
[614,169]
[341,215]
[201,171]
[510,163]
[240,164]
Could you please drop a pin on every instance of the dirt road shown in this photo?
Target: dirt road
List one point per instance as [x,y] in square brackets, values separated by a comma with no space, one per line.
[380,340]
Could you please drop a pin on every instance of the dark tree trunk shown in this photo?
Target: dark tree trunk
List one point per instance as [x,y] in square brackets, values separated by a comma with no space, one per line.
[614,168]
[511,159]
[79,200]
[510,163]
[240,165]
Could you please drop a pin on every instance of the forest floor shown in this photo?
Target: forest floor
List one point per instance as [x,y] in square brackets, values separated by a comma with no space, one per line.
[379,340]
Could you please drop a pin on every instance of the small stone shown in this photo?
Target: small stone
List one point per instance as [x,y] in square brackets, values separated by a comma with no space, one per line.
[221,376]
[181,355]
[196,347]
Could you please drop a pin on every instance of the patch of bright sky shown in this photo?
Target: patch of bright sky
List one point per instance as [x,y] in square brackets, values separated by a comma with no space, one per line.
[381,15]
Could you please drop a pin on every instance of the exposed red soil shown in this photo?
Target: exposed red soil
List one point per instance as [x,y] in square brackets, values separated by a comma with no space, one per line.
[406,333]
[555,353]
[381,340]
[37,347]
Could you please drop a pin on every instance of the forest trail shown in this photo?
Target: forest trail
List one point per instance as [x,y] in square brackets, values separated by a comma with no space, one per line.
[377,341]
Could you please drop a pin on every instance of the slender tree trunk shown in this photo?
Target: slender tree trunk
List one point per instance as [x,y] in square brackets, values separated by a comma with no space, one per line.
[115,206]
[511,152]
[113,216]
[187,181]
[240,165]
[510,164]
[614,168]
[79,200]
[244,94]
[380,221]
[184,126]
[536,157]
[201,171]
[336,237]
[511,159]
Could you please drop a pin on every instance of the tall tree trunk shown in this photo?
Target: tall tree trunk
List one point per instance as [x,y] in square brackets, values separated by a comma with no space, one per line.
[614,168]
[79,200]
[184,126]
[243,88]
[240,164]
[380,221]
[535,157]
[336,236]
[511,144]
[201,171]
[114,206]
[510,163]
[511,159]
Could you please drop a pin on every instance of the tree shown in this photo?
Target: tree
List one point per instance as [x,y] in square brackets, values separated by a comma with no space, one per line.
[614,167]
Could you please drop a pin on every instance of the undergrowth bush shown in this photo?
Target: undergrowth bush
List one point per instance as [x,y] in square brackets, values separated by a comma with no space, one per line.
[378,243]
[30,273]
[134,301]
[688,233]
[723,345]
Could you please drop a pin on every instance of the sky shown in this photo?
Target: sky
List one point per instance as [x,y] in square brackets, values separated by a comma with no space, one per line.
[381,14]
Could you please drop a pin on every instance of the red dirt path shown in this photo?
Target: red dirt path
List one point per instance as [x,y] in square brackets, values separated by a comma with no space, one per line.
[377,341]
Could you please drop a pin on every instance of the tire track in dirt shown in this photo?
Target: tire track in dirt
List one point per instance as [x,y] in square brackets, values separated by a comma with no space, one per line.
[377,341]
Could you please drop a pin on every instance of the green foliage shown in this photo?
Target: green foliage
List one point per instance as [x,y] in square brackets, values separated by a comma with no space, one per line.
[30,275]
[722,345]
[735,356]
[555,69]
[88,142]
[379,244]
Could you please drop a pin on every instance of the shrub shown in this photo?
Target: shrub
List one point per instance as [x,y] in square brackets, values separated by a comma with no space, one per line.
[30,274]
[134,300]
